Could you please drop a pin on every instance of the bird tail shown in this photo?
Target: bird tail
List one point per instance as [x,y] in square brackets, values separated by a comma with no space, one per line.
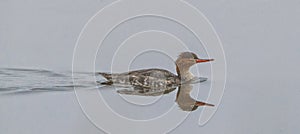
[108,77]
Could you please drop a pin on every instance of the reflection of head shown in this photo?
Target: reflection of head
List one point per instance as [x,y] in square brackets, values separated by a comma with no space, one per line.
[184,100]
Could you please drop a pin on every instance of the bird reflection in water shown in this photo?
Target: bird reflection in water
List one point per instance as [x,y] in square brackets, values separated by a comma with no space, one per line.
[185,101]
[183,96]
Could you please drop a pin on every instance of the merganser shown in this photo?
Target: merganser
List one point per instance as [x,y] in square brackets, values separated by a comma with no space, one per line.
[156,78]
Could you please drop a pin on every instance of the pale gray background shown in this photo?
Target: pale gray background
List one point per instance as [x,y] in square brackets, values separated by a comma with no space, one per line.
[260,39]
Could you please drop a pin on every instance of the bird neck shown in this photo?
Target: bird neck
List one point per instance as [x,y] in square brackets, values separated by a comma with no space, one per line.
[184,73]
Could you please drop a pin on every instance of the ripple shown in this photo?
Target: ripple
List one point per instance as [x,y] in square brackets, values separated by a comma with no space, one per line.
[32,80]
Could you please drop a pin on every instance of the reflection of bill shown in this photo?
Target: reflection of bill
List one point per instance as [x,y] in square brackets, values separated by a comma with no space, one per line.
[185,101]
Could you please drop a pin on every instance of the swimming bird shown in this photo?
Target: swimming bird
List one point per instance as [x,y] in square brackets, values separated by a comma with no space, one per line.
[157,78]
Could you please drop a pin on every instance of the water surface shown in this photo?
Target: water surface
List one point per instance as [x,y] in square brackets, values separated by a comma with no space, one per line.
[37,98]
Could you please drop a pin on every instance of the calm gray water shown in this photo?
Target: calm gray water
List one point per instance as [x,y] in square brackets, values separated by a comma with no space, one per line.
[260,40]
[43,101]
[34,99]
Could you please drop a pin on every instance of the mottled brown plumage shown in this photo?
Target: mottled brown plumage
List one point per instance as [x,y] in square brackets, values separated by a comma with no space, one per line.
[156,78]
